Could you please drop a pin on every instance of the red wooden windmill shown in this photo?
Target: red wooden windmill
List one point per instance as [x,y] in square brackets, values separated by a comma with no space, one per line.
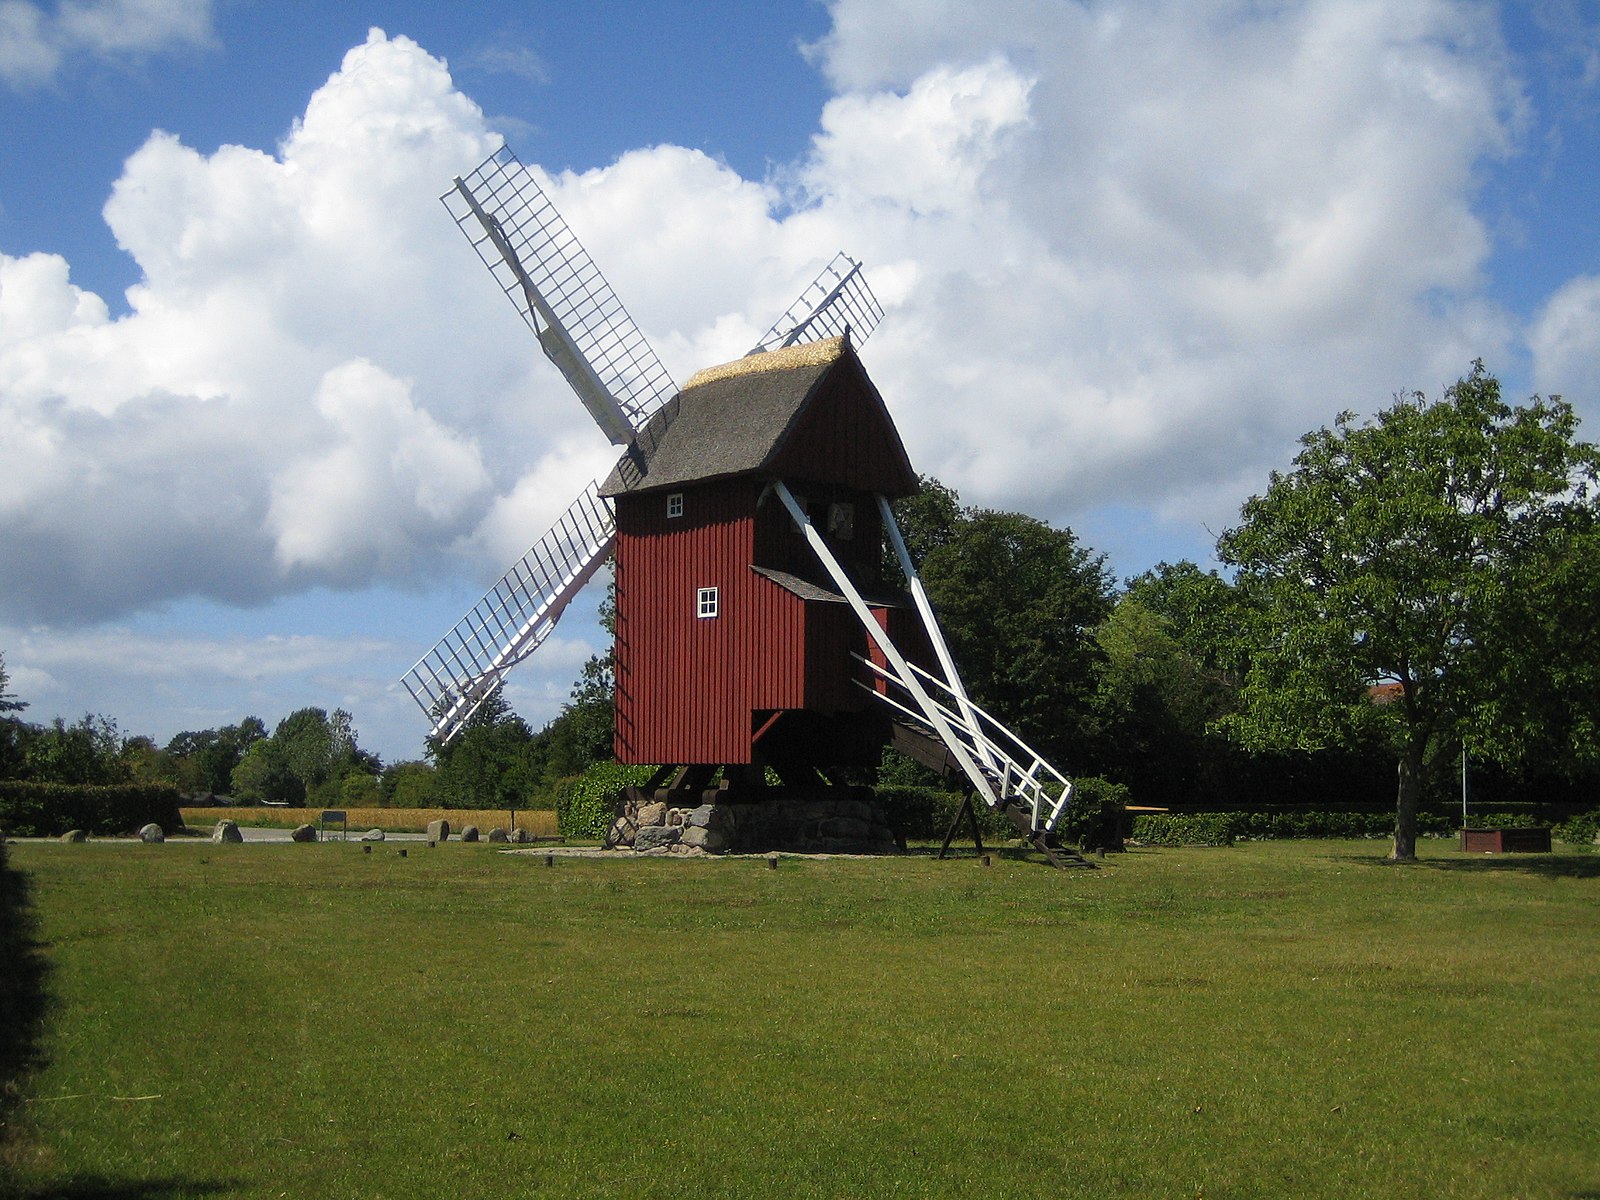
[749,517]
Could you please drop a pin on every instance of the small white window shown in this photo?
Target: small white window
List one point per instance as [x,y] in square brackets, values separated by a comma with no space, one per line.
[675,504]
[706,602]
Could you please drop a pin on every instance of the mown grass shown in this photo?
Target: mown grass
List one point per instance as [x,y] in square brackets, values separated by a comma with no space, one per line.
[538,822]
[1273,1019]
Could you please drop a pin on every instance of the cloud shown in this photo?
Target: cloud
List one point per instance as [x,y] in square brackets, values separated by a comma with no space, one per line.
[35,44]
[265,417]
[1565,340]
[1130,251]
[1153,242]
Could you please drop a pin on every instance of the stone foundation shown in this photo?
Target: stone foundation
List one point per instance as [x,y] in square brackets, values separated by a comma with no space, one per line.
[821,820]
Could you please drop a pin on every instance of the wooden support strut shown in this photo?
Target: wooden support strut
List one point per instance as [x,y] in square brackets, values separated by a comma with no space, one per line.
[971,814]
[902,669]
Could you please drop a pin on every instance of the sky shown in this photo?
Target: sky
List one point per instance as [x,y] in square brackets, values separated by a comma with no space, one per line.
[267,429]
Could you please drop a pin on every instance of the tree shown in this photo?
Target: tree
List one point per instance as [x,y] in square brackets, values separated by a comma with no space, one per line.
[8,702]
[208,756]
[1418,549]
[89,751]
[489,763]
[1018,600]
[12,730]
[1152,705]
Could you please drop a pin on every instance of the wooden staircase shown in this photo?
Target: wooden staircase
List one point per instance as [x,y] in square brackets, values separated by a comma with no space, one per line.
[922,746]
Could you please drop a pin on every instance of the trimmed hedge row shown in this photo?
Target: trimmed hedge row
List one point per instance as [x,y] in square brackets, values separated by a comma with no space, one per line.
[1222,829]
[29,809]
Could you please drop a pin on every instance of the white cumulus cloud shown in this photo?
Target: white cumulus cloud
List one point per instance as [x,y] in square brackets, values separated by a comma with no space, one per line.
[36,41]
[1130,250]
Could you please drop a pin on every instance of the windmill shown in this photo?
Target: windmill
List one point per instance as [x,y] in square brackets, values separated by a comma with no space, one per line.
[748,515]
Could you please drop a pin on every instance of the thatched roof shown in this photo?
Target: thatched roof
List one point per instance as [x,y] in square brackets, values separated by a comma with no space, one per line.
[736,418]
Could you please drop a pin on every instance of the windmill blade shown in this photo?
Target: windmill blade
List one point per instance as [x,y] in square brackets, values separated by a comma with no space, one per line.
[513,618]
[837,301]
[561,294]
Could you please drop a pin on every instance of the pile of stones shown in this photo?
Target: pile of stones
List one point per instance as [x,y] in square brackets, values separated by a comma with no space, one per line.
[823,820]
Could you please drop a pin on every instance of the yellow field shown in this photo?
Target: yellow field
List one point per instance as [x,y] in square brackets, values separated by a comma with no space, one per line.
[538,822]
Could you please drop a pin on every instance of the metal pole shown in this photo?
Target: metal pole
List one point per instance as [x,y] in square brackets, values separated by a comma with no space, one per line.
[1463,787]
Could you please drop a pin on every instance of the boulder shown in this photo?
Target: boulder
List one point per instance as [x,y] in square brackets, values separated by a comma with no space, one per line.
[152,833]
[469,833]
[74,835]
[520,836]
[654,813]
[439,831]
[372,835]
[620,834]
[498,835]
[652,837]
[845,829]
[712,841]
[226,831]
[303,833]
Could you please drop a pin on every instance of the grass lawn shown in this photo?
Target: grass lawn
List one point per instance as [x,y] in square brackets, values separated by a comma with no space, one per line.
[1268,1020]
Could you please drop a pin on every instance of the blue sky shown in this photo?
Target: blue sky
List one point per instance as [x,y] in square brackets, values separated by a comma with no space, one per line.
[1130,250]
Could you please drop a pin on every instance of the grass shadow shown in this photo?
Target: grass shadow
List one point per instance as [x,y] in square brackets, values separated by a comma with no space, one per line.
[1546,866]
[23,999]
[94,1187]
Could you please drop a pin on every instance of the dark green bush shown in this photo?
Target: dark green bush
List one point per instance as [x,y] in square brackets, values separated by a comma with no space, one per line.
[1500,820]
[1580,830]
[1094,813]
[29,809]
[586,803]
[1184,829]
[924,814]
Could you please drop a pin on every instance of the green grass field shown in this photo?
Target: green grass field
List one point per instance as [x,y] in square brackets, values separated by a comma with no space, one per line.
[1269,1020]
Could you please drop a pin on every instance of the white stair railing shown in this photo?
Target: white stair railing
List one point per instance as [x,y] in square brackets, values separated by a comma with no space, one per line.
[1017,770]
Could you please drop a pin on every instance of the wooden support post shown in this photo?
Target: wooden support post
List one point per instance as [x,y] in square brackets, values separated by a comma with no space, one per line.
[966,810]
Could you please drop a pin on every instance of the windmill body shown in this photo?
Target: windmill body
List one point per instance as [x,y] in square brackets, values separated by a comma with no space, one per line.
[734,646]
[749,516]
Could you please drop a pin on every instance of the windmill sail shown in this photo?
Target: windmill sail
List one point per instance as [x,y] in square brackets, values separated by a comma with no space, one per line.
[513,618]
[838,301]
[560,293]
[584,329]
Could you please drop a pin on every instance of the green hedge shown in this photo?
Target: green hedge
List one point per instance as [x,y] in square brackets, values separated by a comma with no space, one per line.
[1221,829]
[1580,830]
[923,814]
[1180,829]
[586,803]
[29,809]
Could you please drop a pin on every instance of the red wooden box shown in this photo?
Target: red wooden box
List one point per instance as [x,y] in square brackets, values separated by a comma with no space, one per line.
[1506,841]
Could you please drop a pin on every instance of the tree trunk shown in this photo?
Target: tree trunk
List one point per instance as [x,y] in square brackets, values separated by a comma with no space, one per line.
[1410,792]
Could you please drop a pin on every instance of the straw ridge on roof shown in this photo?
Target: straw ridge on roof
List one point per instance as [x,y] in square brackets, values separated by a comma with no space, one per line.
[806,354]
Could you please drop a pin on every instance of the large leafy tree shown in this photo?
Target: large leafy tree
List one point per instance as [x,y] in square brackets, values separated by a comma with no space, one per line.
[488,764]
[1018,600]
[12,729]
[1423,548]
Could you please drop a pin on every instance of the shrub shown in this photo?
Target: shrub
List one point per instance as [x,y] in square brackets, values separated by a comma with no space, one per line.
[924,814]
[29,809]
[1580,830]
[586,803]
[1094,813]
[1184,829]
